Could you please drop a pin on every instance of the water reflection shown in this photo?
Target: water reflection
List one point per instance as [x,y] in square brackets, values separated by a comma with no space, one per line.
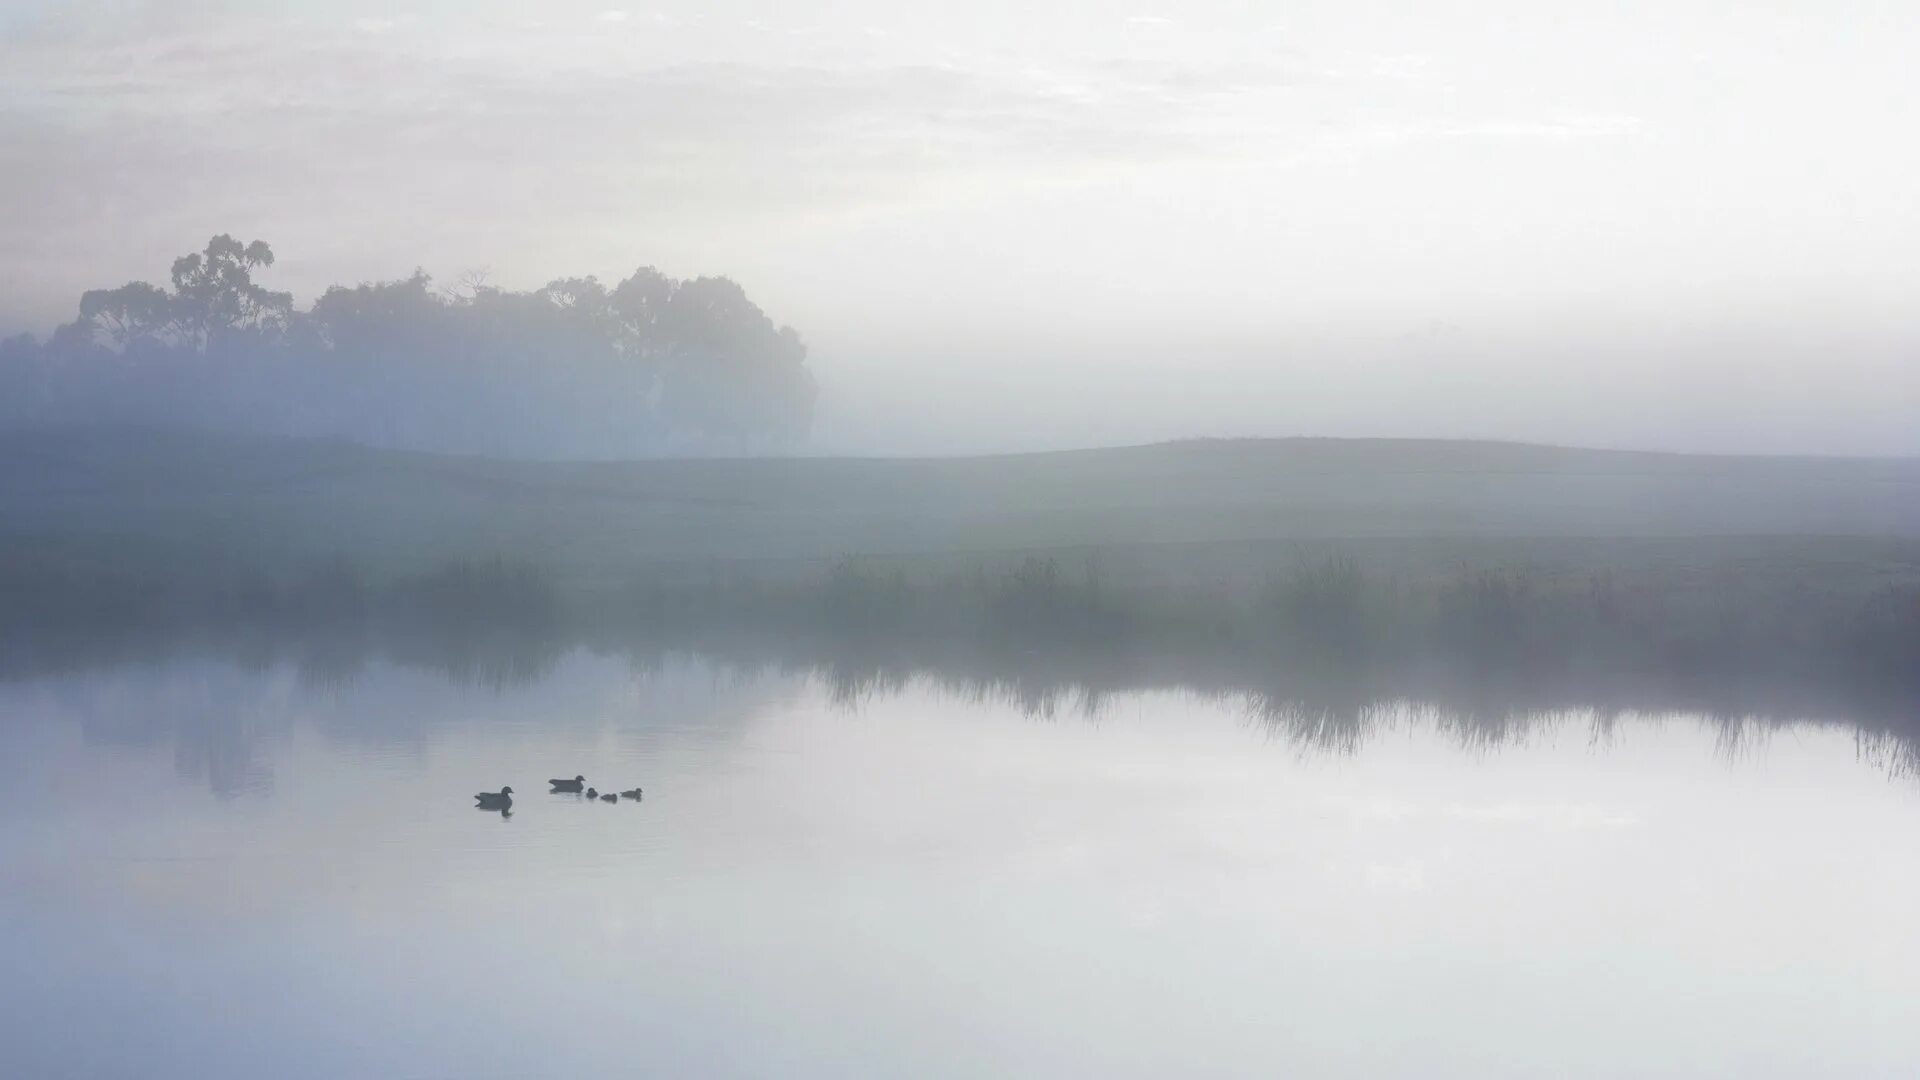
[220,715]
[880,868]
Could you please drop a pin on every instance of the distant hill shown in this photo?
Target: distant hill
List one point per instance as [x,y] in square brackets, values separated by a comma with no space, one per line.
[1219,510]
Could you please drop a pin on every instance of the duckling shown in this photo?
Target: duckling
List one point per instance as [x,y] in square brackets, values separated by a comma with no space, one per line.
[609,797]
[634,794]
[495,800]
[592,794]
[574,784]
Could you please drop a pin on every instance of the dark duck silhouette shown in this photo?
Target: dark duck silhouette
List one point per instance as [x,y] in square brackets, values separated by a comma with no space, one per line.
[609,797]
[592,794]
[574,784]
[634,794]
[495,800]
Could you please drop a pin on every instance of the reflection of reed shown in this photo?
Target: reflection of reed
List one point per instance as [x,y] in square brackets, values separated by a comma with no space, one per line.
[213,736]
[1898,755]
[1327,709]
[1322,656]
[1319,710]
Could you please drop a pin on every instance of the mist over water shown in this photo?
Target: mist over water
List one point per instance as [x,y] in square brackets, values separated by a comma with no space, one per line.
[1357,538]
[280,875]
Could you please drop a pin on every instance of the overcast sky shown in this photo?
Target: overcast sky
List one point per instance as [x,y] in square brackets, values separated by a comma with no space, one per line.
[1687,223]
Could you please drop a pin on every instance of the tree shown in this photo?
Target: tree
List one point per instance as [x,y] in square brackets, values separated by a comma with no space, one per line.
[214,297]
[132,311]
[730,371]
[574,368]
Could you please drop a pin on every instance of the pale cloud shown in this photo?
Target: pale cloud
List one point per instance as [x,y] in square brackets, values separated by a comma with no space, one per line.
[1020,171]
[1557,129]
[1403,877]
[211,128]
[205,126]
[1560,129]
[1551,816]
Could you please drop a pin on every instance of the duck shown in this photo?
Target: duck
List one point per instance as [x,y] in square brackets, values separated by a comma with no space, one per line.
[592,794]
[609,797]
[634,794]
[495,800]
[574,784]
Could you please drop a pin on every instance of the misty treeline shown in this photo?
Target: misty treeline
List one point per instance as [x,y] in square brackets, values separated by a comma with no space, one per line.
[647,366]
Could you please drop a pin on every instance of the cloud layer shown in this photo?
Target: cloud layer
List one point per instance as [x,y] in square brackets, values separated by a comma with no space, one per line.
[1021,180]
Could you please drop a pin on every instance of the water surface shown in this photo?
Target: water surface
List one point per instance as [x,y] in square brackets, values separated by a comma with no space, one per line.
[216,871]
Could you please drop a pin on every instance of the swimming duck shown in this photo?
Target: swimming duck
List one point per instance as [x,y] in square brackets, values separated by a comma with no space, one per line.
[609,797]
[634,794]
[592,794]
[574,784]
[496,800]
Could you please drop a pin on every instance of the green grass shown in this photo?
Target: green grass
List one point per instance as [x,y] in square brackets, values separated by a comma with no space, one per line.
[1196,518]
[1404,567]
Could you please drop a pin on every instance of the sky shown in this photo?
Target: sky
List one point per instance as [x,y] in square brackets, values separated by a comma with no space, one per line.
[1686,224]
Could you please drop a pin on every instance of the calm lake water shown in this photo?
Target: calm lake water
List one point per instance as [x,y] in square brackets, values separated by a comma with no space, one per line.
[208,871]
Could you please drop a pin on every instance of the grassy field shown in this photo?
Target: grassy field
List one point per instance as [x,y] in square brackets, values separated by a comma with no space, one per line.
[1546,577]
[1219,516]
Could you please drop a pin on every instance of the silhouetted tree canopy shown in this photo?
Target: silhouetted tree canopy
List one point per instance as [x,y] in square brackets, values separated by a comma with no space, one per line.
[576,368]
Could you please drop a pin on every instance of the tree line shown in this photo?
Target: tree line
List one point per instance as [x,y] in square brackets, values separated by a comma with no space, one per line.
[649,365]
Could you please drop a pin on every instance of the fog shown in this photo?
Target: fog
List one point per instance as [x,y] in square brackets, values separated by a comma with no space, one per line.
[1682,225]
[1002,510]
